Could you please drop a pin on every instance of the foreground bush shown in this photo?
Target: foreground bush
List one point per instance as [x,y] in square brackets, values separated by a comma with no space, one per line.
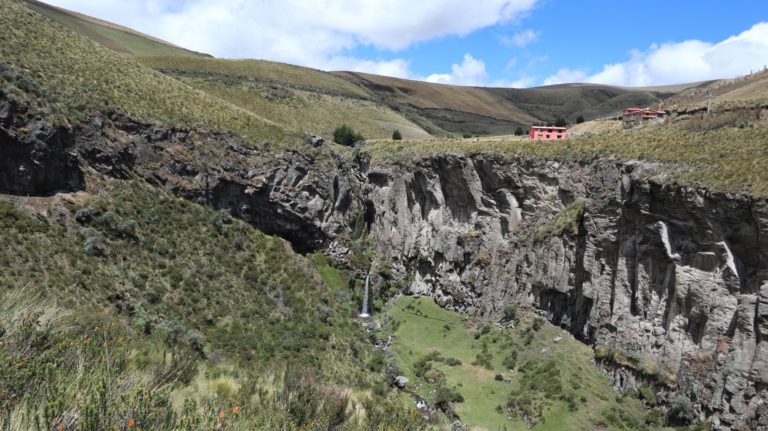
[345,135]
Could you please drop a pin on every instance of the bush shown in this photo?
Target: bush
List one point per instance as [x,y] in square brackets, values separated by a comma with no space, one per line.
[345,135]
[397,136]
[646,394]
[447,395]
[510,313]
[580,119]
[681,411]
[452,362]
[510,361]
[466,135]
[537,323]
[519,131]
[560,122]
[498,378]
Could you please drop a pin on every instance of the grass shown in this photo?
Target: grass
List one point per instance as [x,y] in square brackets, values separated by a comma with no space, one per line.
[112,36]
[725,158]
[266,71]
[178,313]
[304,111]
[77,77]
[554,382]
[567,222]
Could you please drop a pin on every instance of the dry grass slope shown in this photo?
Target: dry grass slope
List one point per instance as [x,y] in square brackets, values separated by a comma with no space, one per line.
[78,77]
[301,99]
[726,157]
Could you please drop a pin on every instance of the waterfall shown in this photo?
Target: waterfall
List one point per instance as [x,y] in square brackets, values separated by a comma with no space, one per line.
[364,311]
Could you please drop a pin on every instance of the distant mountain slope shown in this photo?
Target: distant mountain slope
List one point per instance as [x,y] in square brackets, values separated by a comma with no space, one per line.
[481,110]
[113,36]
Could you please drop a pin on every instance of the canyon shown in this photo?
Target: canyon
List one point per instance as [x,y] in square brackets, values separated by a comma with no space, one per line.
[668,282]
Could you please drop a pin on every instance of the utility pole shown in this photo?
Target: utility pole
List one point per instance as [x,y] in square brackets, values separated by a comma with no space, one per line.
[709,102]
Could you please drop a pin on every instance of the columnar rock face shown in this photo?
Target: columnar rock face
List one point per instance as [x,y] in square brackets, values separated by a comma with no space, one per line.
[671,276]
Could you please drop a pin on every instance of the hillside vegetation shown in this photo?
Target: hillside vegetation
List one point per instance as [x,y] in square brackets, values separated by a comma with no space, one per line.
[78,77]
[301,99]
[113,36]
[530,376]
[724,151]
[135,309]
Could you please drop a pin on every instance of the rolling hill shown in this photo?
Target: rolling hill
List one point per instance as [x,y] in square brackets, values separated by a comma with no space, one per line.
[497,111]
[309,100]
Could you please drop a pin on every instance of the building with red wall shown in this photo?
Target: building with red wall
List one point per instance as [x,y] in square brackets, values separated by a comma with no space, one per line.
[547,133]
[633,116]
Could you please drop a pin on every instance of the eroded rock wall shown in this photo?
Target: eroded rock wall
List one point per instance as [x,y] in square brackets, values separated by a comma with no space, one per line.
[670,276]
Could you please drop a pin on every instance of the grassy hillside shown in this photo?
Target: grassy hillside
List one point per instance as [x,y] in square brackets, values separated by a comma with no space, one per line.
[113,36]
[724,151]
[505,375]
[299,98]
[724,94]
[498,111]
[77,77]
[135,305]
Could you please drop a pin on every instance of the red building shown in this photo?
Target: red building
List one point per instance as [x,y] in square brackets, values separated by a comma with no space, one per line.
[547,133]
[633,116]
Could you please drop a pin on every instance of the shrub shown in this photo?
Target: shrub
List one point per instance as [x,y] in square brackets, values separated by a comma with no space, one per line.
[345,135]
[466,135]
[646,394]
[510,313]
[580,119]
[681,411]
[510,361]
[397,136]
[452,362]
[537,323]
[446,395]
[560,122]
[519,131]
[498,378]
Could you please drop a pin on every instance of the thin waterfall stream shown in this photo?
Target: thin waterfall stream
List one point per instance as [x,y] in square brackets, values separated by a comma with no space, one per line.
[364,310]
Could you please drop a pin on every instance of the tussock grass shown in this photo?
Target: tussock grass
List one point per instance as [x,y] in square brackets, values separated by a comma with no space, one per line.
[726,158]
[268,71]
[304,111]
[138,305]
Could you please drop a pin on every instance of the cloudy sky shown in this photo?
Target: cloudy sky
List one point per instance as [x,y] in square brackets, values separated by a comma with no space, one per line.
[511,43]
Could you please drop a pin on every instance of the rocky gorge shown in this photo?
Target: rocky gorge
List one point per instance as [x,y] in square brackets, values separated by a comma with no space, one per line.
[668,282]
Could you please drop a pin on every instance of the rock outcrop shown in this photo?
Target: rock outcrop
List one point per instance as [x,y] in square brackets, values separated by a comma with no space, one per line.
[35,158]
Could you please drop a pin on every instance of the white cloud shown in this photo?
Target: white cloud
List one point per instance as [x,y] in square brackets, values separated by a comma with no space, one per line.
[521,39]
[471,71]
[566,75]
[315,33]
[687,61]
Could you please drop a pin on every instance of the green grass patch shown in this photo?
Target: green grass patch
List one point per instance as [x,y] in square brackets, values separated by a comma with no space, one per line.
[554,382]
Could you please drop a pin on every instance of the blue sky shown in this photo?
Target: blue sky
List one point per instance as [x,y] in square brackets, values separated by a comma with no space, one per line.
[517,43]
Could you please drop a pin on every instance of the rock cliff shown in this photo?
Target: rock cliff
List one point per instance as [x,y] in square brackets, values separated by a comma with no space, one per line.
[668,282]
